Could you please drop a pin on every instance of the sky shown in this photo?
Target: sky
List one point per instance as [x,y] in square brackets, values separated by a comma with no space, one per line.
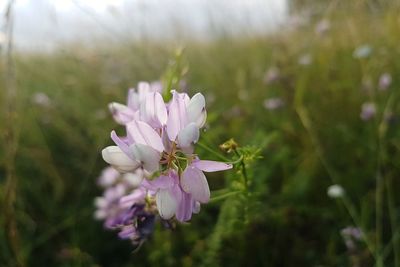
[44,24]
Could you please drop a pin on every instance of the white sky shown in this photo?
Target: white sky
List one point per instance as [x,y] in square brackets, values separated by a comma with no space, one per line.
[42,24]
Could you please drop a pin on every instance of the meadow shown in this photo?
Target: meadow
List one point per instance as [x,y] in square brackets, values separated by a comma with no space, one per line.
[311,106]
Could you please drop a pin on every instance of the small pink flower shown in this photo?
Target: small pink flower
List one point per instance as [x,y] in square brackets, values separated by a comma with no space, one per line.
[385,80]
[368,111]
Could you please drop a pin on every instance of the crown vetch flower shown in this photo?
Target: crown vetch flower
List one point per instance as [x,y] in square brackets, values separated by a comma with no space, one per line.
[159,143]
[160,138]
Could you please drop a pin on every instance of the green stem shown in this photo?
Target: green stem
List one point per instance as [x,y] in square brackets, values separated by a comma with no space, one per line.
[380,184]
[244,171]
[379,217]
[392,215]
[205,147]
[222,197]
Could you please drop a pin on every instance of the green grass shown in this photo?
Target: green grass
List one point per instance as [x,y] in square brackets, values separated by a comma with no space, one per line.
[317,139]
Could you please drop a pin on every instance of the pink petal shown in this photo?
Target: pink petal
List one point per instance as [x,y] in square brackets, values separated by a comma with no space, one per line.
[142,133]
[177,115]
[136,196]
[121,144]
[185,208]
[121,113]
[153,110]
[143,88]
[211,166]
[147,156]
[194,182]
[162,182]
[133,99]
[188,135]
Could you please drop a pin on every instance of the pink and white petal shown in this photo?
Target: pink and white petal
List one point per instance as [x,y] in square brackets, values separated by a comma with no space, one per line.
[133,99]
[137,196]
[123,145]
[162,182]
[166,142]
[211,166]
[114,156]
[153,110]
[166,204]
[174,118]
[194,182]
[188,135]
[185,208]
[160,109]
[147,156]
[142,133]
[143,88]
[122,114]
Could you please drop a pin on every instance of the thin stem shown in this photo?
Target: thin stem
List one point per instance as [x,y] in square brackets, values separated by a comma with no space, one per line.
[380,185]
[11,141]
[223,196]
[205,147]
[379,218]
[395,238]
[392,215]
[244,171]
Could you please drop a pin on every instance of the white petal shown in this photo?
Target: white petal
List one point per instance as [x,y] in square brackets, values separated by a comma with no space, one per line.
[194,182]
[100,202]
[188,136]
[196,110]
[134,179]
[166,204]
[147,156]
[114,156]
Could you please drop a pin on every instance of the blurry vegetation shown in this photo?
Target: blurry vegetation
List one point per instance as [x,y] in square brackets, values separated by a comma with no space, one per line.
[314,140]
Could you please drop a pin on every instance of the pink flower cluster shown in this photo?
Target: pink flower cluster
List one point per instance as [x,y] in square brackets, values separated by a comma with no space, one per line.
[160,139]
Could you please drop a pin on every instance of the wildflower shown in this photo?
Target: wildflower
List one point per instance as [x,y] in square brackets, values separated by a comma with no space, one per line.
[385,81]
[271,75]
[368,111]
[273,103]
[362,51]
[159,141]
[351,235]
[322,27]
[335,191]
